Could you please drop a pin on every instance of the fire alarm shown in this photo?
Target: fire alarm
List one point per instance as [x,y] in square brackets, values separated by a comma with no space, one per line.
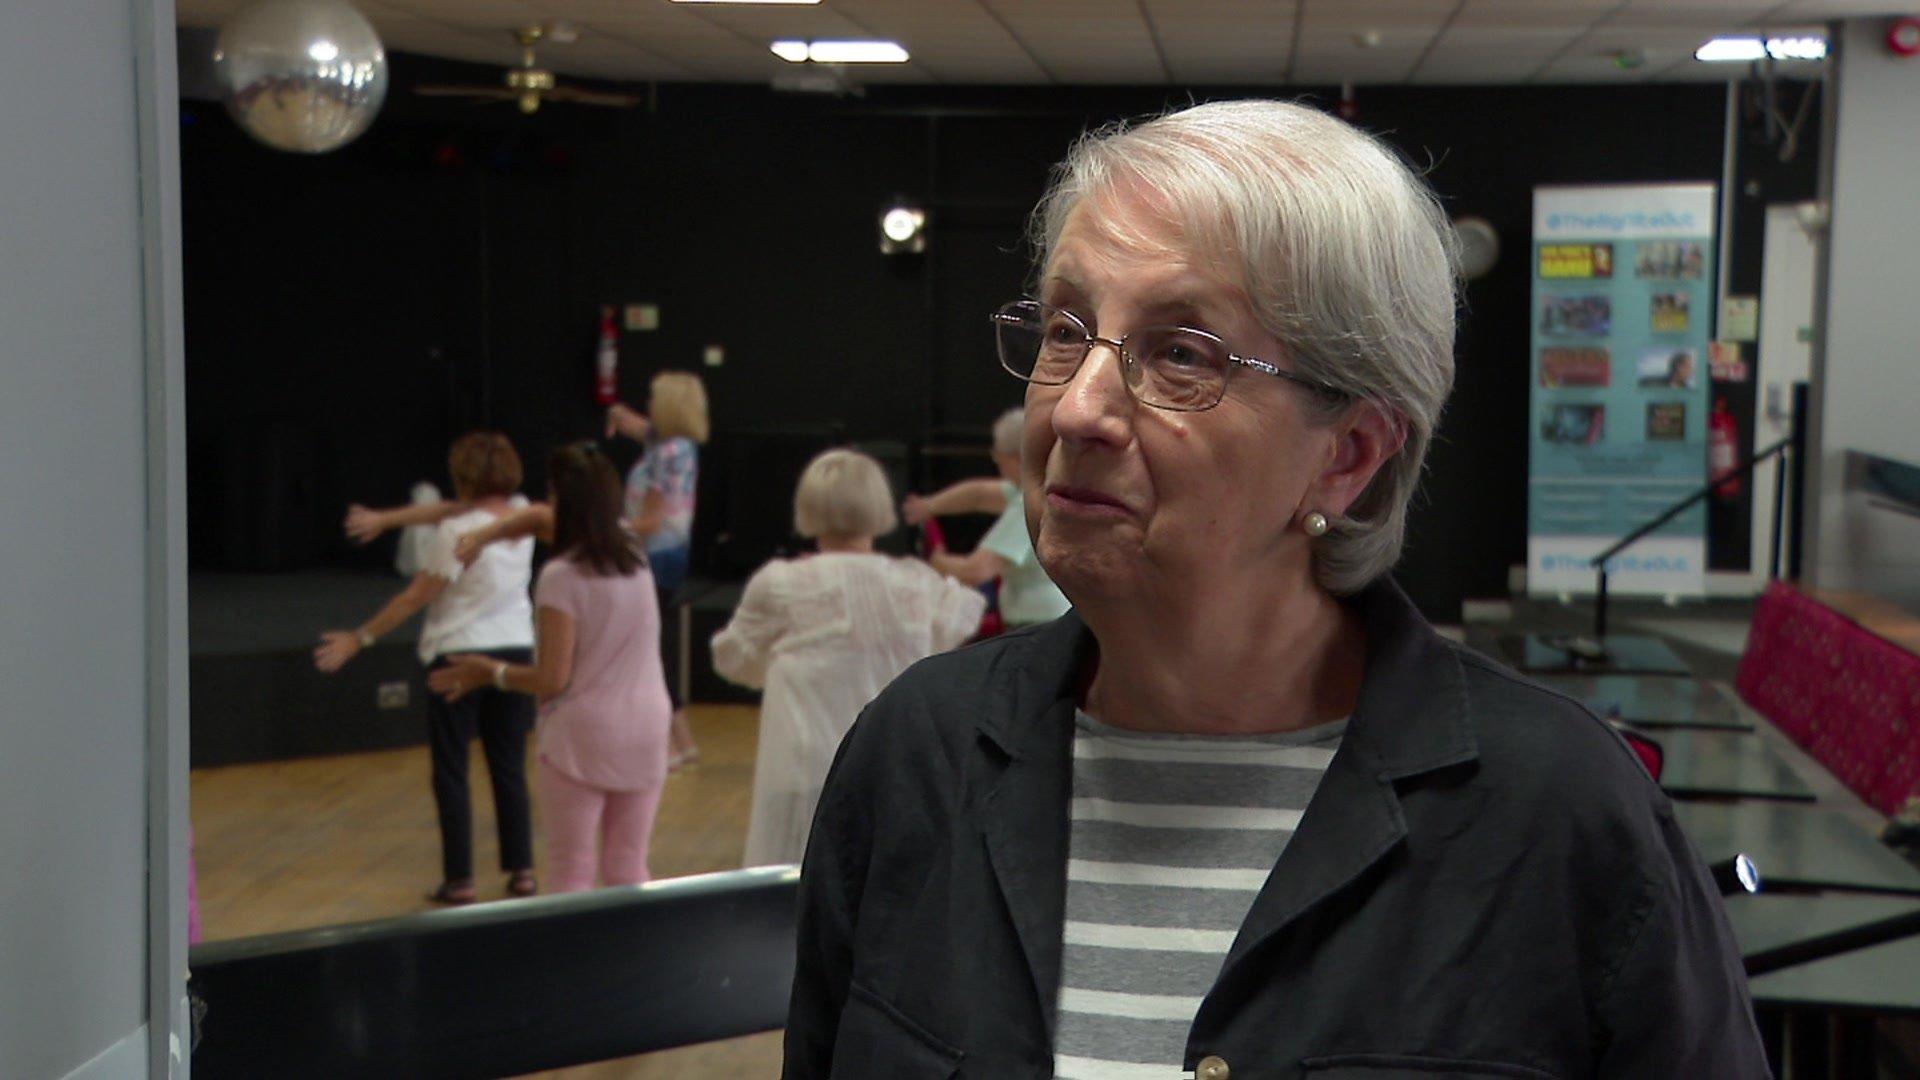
[1903,36]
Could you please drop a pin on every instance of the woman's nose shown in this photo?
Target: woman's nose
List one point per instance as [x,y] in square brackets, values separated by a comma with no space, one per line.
[1095,405]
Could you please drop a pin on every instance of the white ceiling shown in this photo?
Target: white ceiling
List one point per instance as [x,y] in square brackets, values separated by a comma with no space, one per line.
[1072,42]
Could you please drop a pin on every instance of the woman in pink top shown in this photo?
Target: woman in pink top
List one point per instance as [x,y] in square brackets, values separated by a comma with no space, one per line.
[604,711]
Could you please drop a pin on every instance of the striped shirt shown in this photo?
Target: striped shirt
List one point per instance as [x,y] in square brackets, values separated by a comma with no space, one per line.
[1172,837]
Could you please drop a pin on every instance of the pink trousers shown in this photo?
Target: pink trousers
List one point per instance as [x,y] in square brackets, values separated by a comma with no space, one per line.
[591,829]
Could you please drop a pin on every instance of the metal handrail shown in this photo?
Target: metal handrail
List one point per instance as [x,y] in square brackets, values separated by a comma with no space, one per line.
[1795,440]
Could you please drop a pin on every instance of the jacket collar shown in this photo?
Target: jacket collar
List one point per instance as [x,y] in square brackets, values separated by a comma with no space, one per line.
[1412,718]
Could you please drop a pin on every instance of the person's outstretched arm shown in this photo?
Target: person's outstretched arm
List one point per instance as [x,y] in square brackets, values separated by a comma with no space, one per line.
[365,523]
[535,519]
[339,646]
[976,569]
[981,495]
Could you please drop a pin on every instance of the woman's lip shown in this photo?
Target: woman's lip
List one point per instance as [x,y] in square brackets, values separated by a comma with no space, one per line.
[1084,500]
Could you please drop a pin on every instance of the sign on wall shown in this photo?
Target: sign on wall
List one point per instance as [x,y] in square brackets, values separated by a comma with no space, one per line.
[1621,322]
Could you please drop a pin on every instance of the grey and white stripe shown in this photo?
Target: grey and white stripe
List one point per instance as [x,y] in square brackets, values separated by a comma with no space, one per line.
[1172,837]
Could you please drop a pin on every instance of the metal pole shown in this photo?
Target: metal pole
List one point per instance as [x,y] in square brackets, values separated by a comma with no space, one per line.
[1600,609]
[1779,514]
[1797,528]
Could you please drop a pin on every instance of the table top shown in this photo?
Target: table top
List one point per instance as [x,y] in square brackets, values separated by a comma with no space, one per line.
[1796,845]
[1883,979]
[1726,764]
[1627,654]
[1778,930]
[1653,701]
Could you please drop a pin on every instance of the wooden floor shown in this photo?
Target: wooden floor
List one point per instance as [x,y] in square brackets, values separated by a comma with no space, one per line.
[295,844]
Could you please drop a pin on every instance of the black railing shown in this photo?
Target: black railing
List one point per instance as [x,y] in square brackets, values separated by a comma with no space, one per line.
[1794,446]
[505,988]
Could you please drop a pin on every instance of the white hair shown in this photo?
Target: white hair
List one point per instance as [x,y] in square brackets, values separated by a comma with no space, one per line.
[843,493]
[1343,251]
[1007,431]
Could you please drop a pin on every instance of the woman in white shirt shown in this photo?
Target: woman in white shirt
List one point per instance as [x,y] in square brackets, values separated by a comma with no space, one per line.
[823,634]
[484,609]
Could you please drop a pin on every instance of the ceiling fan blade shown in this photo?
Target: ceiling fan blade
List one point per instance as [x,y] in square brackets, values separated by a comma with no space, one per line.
[491,93]
[574,95]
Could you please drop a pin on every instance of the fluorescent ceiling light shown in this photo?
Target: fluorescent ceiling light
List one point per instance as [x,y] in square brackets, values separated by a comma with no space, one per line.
[1797,48]
[1731,49]
[841,52]
[1745,49]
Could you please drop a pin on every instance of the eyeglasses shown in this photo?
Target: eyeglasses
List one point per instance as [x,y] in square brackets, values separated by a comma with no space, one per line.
[1168,367]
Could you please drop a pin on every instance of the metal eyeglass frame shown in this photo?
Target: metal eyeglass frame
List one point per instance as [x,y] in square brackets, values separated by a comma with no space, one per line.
[1008,314]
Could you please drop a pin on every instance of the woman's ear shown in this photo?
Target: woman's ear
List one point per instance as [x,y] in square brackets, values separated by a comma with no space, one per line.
[1364,440]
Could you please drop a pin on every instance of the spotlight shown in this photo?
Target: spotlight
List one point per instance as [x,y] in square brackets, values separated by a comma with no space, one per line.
[903,230]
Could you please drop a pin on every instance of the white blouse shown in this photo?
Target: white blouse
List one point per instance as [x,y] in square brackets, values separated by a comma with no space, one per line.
[823,635]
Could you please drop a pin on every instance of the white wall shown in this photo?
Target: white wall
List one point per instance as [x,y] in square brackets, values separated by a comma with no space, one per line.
[89,479]
[1867,355]
[1785,357]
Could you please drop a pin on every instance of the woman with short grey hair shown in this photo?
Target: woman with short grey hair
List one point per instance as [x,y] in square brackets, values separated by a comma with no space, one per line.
[821,635]
[1242,812]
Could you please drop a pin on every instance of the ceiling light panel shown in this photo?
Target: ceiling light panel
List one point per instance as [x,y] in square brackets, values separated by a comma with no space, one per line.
[953,41]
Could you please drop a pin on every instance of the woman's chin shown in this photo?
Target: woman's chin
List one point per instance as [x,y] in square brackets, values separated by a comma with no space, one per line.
[1086,567]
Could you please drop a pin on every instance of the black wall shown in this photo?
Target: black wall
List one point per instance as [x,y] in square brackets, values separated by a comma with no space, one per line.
[348,314]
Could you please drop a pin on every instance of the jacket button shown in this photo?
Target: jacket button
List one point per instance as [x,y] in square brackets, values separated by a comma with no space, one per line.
[1212,1067]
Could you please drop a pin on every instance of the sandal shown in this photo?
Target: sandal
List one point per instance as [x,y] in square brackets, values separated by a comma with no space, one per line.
[523,883]
[453,893]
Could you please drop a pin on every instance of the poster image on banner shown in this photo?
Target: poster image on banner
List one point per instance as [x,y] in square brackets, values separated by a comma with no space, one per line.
[1620,334]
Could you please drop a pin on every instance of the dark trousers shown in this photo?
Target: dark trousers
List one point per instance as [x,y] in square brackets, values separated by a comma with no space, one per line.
[503,721]
[670,644]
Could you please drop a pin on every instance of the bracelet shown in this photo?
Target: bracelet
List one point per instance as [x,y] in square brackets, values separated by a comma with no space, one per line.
[500,676]
[365,639]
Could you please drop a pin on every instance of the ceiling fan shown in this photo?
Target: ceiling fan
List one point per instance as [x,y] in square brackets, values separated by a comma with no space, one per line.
[528,84]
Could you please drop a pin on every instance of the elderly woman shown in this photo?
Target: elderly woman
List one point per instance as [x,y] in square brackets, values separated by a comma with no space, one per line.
[1242,813]
[824,634]
[1027,597]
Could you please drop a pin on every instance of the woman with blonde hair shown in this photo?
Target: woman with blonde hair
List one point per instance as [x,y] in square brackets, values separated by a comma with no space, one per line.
[823,634]
[659,508]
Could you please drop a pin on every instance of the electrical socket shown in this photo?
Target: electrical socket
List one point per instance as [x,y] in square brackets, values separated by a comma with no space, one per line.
[393,695]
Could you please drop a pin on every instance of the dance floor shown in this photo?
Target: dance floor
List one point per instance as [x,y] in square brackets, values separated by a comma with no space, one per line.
[295,844]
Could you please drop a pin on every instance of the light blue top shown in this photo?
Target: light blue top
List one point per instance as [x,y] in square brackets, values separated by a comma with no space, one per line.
[1027,595]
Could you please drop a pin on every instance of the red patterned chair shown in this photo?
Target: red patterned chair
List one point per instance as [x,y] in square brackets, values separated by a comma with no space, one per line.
[1847,696]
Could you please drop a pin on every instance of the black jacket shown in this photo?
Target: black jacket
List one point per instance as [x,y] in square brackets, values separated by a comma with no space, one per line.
[1486,884]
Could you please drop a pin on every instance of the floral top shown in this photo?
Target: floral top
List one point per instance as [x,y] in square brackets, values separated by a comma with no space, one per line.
[670,467]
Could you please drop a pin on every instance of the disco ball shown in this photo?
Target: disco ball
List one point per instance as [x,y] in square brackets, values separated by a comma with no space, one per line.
[306,76]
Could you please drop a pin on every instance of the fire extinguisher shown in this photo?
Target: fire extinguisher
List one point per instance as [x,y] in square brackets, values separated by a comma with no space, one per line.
[1723,449]
[606,362]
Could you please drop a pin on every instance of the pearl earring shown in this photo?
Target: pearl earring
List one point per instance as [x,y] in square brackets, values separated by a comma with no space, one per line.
[1314,524]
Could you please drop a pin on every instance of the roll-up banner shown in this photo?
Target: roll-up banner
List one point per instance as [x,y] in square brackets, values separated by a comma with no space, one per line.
[1622,313]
